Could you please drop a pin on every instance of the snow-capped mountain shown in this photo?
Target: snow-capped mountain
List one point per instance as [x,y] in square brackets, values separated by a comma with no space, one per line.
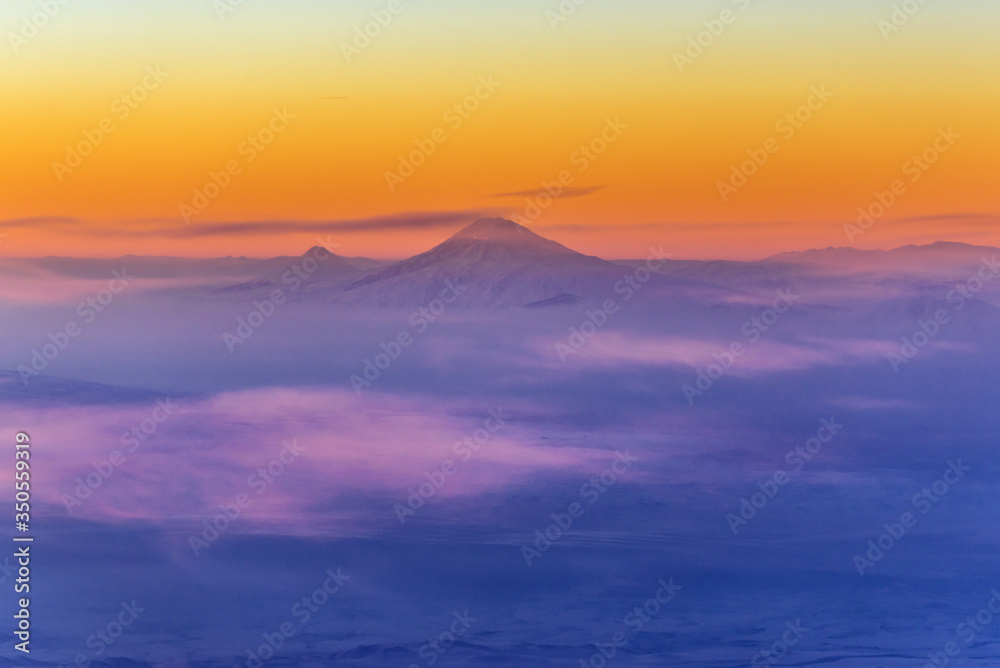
[492,263]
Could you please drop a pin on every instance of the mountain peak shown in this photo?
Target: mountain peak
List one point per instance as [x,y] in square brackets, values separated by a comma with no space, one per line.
[493,229]
[500,233]
[326,256]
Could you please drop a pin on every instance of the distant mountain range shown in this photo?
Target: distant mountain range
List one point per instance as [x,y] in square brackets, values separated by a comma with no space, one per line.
[497,264]
[491,264]
[821,270]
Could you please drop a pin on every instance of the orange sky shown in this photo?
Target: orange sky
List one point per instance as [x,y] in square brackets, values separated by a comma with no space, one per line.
[344,123]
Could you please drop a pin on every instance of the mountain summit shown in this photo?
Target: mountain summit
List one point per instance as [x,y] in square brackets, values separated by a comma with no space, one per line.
[492,229]
[506,232]
[504,237]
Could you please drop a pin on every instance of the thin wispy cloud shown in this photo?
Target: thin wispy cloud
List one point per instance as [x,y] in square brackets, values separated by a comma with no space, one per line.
[37,222]
[984,218]
[169,229]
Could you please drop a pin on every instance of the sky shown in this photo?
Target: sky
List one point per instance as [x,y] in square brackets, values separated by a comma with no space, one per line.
[334,116]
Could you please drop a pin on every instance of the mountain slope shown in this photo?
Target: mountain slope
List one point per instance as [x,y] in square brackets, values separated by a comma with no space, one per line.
[316,269]
[941,258]
[494,263]
[841,274]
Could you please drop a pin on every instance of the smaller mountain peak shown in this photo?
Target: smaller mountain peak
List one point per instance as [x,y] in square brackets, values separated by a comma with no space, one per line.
[319,251]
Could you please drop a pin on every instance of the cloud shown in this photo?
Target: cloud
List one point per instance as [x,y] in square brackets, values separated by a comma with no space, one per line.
[169,229]
[40,221]
[615,349]
[983,218]
[209,450]
[973,219]
[403,221]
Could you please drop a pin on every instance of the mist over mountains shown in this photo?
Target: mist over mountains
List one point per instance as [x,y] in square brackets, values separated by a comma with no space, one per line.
[708,372]
[499,264]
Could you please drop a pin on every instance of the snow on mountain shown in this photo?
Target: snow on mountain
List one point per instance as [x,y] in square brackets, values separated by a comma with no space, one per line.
[492,263]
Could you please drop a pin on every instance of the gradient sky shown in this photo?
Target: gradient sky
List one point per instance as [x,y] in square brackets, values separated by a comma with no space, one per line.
[657,184]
